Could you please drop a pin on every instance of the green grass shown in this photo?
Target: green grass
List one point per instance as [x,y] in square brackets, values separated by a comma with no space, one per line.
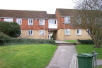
[72,41]
[99,66]
[88,49]
[26,56]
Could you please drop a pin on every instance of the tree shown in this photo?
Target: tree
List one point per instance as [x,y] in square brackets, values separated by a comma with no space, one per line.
[89,17]
[12,29]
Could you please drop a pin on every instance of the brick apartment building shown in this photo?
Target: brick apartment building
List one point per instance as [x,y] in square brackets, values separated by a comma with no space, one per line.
[40,25]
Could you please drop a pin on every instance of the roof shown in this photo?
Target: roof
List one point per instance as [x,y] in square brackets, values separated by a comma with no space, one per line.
[66,12]
[51,16]
[72,12]
[23,14]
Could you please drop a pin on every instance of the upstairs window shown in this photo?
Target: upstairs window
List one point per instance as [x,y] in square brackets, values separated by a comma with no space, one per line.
[66,20]
[78,20]
[42,32]
[30,32]
[78,32]
[52,21]
[67,31]
[98,20]
[41,22]
[8,19]
[19,21]
[30,21]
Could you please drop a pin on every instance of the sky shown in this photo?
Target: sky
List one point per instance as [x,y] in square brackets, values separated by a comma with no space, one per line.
[38,5]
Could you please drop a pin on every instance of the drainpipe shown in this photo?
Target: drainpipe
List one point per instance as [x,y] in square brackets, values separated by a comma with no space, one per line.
[94,59]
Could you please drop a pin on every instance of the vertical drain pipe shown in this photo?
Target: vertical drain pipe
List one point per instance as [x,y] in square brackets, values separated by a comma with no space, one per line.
[94,59]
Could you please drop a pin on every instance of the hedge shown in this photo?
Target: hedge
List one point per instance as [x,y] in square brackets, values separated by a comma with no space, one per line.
[27,41]
[85,41]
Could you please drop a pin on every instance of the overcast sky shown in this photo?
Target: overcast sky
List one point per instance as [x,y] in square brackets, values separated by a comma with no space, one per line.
[42,5]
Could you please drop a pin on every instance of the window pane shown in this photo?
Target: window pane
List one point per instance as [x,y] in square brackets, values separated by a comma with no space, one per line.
[30,21]
[78,20]
[42,32]
[78,31]
[19,21]
[30,32]
[67,19]
[8,19]
[42,22]
[52,21]
[67,31]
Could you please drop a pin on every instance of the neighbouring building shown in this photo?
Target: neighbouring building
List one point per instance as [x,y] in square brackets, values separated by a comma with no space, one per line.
[40,25]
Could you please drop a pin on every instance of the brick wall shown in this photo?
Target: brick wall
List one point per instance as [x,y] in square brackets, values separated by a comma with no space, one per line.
[35,25]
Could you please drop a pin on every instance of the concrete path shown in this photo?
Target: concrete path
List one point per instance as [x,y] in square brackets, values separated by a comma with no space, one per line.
[62,57]
[99,62]
[61,42]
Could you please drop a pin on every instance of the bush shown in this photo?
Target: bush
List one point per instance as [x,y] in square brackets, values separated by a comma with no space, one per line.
[3,37]
[12,29]
[86,41]
[28,41]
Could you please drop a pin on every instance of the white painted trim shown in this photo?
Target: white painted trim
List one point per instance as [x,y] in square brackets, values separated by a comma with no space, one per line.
[29,23]
[18,22]
[31,34]
[80,32]
[43,22]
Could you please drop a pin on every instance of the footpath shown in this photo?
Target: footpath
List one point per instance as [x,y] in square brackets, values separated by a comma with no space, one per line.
[63,56]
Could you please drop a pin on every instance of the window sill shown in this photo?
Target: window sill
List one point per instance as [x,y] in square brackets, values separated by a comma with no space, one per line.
[78,34]
[42,25]
[30,25]
[30,35]
[67,35]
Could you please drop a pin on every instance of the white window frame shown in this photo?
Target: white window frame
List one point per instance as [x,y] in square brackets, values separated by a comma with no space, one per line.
[19,21]
[78,20]
[42,33]
[21,32]
[67,20]
[78,32]
[41,21]
[52,21]
[30,32]
[8,19]
[30,21]
[67,31]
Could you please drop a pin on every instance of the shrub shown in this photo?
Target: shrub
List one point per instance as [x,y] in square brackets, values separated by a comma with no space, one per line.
[3,37]
[12,29]
[86,41]
[28,41]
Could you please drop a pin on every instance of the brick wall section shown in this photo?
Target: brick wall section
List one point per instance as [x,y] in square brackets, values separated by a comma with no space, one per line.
[35,25]
[61,24]
[58,18]
[60,21]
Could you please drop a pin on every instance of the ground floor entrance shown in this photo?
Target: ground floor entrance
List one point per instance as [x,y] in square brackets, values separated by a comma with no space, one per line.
[52,34]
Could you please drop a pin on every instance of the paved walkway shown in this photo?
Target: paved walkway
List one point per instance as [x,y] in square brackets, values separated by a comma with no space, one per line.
[99,62]
[61,42]
[63,56]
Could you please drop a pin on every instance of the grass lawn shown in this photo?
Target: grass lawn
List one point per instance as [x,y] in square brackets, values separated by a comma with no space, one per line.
[88,49]
[26,56]
[72,41]
[99,66]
